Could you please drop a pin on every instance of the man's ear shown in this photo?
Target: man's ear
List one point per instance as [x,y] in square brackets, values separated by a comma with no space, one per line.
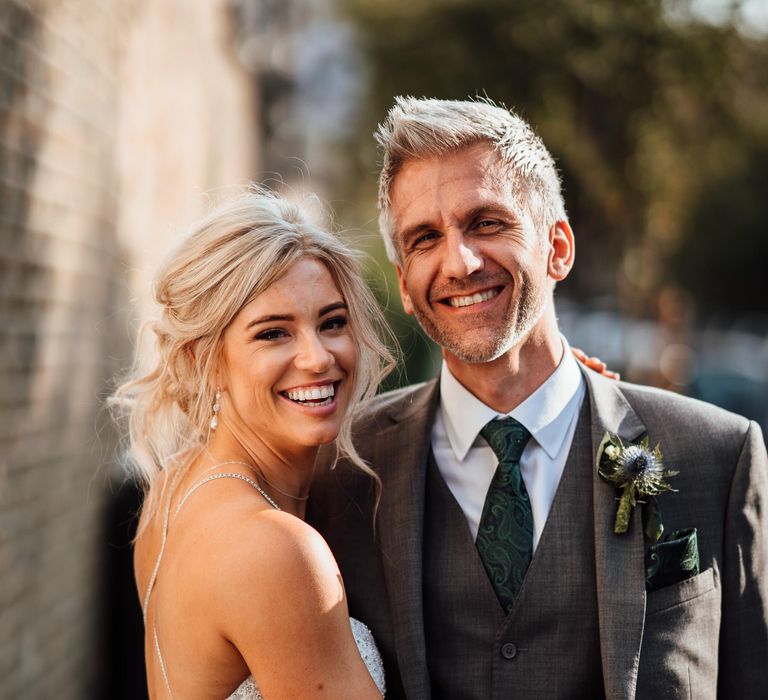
[404,296]
[562,250]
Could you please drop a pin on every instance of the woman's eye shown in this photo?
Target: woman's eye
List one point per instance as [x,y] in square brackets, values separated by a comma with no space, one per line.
[271,334]
[334,324]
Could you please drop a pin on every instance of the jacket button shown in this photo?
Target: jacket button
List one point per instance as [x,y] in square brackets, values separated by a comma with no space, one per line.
[509,650]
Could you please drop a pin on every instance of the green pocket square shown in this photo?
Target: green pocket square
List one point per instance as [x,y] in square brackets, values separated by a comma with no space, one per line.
[673,559]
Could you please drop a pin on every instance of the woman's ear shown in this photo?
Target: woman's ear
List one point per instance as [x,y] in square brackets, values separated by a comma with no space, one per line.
[219,375]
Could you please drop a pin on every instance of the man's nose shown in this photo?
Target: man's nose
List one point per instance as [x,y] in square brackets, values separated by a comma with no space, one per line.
[461,258]
[313,355]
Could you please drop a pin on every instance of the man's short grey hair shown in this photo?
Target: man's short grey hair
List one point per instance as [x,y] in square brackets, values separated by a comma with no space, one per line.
[422,128]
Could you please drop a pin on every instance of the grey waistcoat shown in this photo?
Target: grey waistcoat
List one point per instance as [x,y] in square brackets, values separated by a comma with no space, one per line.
[549,646]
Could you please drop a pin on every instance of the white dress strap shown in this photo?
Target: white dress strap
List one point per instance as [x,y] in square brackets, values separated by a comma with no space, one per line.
[166,520]
[153,577]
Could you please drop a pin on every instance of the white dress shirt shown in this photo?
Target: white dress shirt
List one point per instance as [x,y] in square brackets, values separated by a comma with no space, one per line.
[466,461]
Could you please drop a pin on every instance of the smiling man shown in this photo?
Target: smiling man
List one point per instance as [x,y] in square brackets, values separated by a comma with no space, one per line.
[498,567]
[475,271]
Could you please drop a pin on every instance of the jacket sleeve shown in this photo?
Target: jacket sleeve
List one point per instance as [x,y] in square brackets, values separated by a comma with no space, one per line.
[744,626]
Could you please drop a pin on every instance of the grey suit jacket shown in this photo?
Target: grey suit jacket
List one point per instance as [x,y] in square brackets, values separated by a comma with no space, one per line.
[704,637]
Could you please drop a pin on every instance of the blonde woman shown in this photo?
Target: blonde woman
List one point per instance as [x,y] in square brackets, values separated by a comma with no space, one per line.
[264,346]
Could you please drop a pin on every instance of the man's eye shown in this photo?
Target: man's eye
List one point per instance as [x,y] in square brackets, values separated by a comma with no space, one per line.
[334,324]
[424,238]
[486,223]
[271,334]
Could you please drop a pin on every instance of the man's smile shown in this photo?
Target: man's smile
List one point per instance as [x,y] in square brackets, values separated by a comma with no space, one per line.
[471,299]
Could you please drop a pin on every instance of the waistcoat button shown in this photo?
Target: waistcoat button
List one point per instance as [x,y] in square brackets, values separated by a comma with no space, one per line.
[509,650]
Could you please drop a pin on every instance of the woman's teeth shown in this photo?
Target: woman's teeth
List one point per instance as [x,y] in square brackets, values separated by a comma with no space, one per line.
[473,298]
[312,395]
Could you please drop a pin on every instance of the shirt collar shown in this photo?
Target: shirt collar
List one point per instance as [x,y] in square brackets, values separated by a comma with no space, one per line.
[544,413]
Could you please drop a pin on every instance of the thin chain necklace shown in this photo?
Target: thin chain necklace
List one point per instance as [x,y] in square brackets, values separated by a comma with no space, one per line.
[261,476]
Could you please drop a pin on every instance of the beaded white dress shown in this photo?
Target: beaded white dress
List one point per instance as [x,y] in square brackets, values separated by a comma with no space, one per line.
[248,690]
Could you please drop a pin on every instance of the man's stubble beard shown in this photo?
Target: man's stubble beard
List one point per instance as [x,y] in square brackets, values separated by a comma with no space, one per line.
[519,321]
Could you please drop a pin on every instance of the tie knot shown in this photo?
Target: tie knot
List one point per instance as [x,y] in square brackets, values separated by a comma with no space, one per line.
[507,438]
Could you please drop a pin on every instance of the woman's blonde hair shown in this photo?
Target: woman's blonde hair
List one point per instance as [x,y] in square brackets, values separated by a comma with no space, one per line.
[225,261]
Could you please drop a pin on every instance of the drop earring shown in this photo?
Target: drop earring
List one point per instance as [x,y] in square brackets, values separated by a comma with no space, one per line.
[216,408]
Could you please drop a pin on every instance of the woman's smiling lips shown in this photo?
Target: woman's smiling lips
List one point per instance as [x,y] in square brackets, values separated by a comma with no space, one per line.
[313,395]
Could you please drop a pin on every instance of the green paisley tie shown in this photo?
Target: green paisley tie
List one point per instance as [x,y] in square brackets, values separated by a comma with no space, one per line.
[505,537]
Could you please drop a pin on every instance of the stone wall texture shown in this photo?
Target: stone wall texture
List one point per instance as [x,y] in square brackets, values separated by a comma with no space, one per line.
[115,117]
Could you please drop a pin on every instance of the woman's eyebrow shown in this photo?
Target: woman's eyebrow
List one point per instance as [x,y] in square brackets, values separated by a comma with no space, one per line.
[269,319]
[272,318]
[332,307]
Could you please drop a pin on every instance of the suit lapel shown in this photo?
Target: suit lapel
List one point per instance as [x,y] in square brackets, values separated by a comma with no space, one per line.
[620,558]
[401,454]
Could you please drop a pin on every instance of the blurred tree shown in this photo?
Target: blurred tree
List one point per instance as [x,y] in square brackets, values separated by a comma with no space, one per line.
[659,123]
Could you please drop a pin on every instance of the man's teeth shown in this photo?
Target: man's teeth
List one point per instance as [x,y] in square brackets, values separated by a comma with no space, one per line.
[311,393]
[473,298]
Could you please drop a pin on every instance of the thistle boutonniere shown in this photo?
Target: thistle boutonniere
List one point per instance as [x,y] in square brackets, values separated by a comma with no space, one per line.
[639,472]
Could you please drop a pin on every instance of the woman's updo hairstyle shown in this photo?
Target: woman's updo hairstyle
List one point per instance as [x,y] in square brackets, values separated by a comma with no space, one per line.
[223,262]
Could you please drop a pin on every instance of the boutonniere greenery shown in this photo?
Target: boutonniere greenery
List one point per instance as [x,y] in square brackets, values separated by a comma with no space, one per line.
[639,472]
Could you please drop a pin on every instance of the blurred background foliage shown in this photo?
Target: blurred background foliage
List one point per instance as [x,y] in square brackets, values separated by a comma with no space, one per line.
[657,116]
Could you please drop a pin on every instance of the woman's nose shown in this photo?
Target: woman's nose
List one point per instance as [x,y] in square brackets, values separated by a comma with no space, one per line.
[313,355]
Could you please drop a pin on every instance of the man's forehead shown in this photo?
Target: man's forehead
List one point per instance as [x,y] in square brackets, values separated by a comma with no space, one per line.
[481,156]
[471,176]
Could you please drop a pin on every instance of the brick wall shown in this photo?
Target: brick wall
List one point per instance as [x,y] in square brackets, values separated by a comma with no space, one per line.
[114,116]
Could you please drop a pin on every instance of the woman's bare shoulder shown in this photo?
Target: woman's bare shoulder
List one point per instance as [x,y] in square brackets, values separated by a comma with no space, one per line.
[239,548]
[278,557]
[286,613]
[272,589]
